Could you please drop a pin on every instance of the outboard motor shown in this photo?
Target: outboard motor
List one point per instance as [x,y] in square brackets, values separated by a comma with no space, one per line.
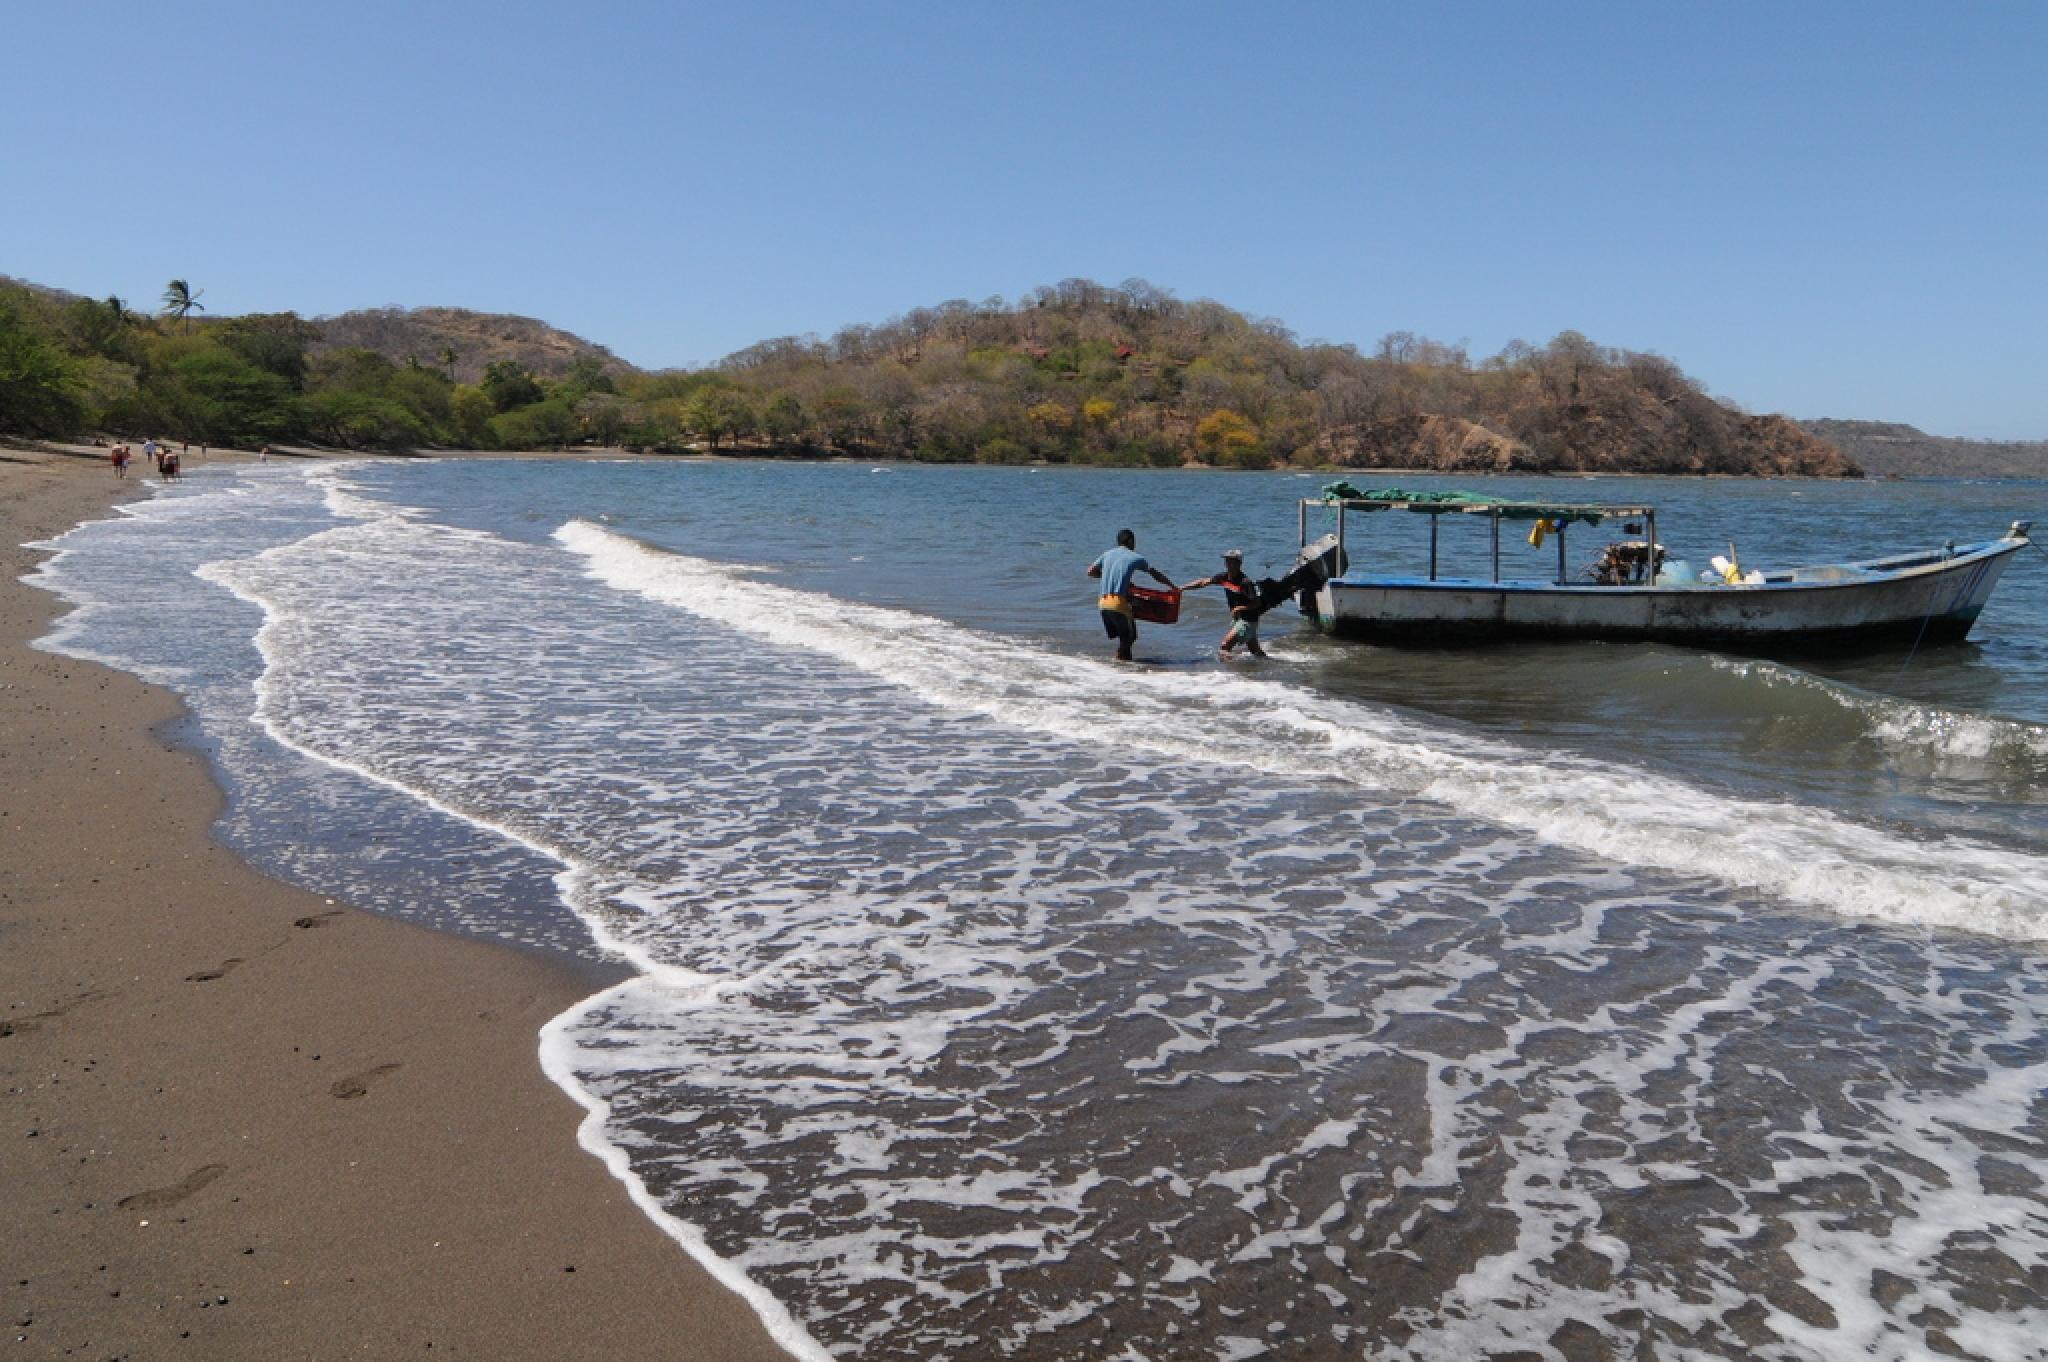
[1314,565]
[1318,563]
[2020,530]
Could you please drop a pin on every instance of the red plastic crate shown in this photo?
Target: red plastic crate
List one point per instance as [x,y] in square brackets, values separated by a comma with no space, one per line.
[1154,607]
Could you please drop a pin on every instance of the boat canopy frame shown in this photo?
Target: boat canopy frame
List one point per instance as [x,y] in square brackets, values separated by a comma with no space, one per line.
[1436,505]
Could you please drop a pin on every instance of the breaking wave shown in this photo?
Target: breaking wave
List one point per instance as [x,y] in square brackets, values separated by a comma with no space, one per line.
[1638,818]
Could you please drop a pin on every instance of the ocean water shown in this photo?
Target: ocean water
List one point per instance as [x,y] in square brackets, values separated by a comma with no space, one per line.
[982,998]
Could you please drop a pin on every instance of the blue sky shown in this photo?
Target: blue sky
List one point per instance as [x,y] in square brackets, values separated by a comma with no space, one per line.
[1820,209]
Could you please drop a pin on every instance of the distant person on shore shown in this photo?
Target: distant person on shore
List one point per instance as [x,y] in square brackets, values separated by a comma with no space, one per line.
[1241,594]
[119,455]
[1116,568]
[168,465]
[263,454]
[152,453]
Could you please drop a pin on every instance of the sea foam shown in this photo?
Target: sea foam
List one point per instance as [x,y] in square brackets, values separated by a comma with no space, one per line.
[1800,854]
[1000,1002]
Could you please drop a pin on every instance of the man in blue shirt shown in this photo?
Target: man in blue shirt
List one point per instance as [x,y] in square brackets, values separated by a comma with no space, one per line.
[1116,568]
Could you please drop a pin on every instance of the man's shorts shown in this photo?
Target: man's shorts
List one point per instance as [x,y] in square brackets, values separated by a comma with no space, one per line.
[1243,630]
[1120,627]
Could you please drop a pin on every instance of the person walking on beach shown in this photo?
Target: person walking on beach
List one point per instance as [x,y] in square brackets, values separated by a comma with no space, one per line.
[1241,594]
[263,454]
[150,452]
[119,455]
[1116,568]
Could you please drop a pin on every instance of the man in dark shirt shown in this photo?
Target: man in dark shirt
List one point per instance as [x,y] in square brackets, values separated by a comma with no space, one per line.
[1241,594]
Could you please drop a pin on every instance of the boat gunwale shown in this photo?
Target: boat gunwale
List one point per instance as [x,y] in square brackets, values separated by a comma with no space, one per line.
[1963,556]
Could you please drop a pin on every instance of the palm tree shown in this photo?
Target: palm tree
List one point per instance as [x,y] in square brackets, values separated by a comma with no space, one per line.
[180,301]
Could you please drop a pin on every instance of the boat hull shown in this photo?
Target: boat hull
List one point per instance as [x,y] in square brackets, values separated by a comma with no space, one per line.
[1930,598]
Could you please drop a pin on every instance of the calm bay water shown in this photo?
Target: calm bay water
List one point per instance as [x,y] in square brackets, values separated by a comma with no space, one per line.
[993,1000]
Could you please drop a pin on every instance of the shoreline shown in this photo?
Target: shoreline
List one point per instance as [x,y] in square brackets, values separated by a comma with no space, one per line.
[619,454]
[249,1122]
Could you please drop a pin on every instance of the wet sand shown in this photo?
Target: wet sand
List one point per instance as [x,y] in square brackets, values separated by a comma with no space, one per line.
[246,1122]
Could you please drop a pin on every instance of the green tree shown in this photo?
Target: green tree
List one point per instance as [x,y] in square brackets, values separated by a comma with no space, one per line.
[181,302]
[274,341]
[844,418]
[40,386]
[510,386]
[101,328]
[658,424]
[429,396]
[354,368]
[361,420]
[105,384]
[539,425]
[586,375]
[469,413]
[227,398]
[1002,449]
[604,417]
[716,413]
[782,420]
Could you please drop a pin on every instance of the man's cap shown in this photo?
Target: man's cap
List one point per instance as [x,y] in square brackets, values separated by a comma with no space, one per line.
[1236,554]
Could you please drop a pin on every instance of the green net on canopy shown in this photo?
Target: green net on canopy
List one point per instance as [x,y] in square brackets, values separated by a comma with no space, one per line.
[1439,503]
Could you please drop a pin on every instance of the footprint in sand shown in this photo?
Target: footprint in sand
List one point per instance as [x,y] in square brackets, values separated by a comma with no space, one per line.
[355,1085]
[21,1026]
[219,971]
[159,1197]
[316,919]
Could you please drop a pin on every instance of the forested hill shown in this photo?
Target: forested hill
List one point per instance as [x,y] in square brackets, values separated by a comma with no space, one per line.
[461,343]
[1080,372]
[1073,373]
[1888,449]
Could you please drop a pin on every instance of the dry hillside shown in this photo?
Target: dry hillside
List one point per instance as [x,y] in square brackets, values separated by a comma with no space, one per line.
[1889,449]
[474,340]
[1735,444]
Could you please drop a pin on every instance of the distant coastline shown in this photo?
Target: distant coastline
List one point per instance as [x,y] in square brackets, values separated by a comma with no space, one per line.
[1890,449]
[1076,373]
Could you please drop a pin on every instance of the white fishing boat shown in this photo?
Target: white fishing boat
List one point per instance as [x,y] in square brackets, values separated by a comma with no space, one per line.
[1635,591]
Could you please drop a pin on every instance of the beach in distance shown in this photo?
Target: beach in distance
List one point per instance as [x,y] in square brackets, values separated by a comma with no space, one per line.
[729,908]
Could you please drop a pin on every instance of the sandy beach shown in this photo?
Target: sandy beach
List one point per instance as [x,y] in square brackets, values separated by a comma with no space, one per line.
[247,1122]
